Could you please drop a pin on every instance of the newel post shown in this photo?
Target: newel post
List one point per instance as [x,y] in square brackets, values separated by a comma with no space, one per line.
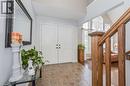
[97,59]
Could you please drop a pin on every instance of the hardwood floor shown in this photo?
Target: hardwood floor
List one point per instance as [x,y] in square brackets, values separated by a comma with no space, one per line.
[70,74]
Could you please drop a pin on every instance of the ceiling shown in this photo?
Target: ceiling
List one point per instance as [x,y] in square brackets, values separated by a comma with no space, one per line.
[66,9]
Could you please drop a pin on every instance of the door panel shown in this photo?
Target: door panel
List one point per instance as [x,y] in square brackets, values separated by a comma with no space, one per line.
[66,43]
[49,41]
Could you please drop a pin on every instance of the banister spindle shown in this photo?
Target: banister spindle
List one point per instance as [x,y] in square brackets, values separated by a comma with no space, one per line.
[108,61]
[121,55]
[100,66]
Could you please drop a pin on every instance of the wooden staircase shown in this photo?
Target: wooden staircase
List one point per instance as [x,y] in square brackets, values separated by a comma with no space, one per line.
[98,39]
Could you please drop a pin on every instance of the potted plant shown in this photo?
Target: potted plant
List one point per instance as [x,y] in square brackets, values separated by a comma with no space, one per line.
[31,54]
[81,46]
[81,49]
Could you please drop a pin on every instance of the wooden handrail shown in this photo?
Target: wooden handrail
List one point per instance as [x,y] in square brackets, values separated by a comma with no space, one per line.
[114,28]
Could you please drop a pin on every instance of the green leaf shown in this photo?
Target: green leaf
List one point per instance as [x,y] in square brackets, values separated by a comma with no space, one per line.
[33,54]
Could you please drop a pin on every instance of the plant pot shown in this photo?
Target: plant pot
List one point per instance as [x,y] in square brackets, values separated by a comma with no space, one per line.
[31,69]
[81,56]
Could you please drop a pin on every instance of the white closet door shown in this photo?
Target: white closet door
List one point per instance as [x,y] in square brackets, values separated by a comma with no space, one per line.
[66,42]
[49,41]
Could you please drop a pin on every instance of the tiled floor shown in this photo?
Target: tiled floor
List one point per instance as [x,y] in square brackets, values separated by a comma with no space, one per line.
[70,74]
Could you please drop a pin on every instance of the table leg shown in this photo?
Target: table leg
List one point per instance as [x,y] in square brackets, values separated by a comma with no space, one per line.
[33,83]
[41,72]
[14,85]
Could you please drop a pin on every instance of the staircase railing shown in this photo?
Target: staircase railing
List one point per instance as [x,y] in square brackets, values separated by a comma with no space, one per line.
[98,40]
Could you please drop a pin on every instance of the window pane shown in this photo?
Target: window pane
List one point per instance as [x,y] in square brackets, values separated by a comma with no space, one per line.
[86,25]
[97,23]
[87,42]
[106,27]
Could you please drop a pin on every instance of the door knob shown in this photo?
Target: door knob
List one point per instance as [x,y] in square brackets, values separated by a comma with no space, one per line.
[58,46]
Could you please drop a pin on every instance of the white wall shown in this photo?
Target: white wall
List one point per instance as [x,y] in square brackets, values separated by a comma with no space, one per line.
[127,72]
[5,53]
[115,13]
[58,21]
[128,36]
[127,49]
[99,7]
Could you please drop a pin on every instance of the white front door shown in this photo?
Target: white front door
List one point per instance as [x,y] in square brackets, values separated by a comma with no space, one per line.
[49,41]
[66,43]
[62,37]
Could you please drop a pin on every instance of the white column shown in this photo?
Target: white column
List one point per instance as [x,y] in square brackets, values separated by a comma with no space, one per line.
[16,68]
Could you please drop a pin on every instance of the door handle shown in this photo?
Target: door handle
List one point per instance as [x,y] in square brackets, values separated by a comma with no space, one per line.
[58,46]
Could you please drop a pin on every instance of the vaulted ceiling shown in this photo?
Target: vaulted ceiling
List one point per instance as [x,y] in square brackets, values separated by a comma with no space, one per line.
[66,9]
